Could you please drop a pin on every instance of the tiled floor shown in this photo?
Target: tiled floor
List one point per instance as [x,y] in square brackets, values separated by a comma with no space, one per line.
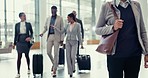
[98,65]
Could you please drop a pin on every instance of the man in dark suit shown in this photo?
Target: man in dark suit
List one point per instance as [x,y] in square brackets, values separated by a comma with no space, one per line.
[82,31]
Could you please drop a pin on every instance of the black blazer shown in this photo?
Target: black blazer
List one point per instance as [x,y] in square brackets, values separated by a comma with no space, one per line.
[29,31]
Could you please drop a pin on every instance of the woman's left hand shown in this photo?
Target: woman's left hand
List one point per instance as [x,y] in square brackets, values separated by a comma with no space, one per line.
[28,39]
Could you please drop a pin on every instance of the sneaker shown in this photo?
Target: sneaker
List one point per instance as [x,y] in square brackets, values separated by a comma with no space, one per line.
[28,72]
[17,76]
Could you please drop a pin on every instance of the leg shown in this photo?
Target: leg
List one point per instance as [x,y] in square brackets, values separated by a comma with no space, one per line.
[115,67]
[73,54]
[132,67]
[68,57]
[28,60]
[56,54]
[19,62]
[49,49]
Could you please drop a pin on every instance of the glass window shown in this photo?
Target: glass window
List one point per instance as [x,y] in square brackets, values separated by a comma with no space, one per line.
[50,3]
[85,16]
[68,8]
[1,19]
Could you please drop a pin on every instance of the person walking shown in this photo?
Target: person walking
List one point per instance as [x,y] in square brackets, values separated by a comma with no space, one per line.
[54,25]
[125,60]
[22,37]
[73,32]
[82,31]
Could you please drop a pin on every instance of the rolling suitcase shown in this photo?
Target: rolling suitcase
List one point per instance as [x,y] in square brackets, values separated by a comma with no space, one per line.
[61,56]
[37,64]
[84,62]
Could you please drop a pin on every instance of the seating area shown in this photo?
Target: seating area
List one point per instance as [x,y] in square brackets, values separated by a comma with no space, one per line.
[6,47]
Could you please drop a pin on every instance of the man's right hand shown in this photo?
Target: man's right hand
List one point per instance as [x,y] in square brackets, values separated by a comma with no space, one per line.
[118,24]
[41,35]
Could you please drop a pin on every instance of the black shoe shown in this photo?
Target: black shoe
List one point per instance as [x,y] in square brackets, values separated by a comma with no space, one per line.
[54,75]
[74,71]
[70,75]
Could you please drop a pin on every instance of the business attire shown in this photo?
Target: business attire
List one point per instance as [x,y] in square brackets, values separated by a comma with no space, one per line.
[22,31]
[54,37]
[82,32]
[131,41]
[73,32]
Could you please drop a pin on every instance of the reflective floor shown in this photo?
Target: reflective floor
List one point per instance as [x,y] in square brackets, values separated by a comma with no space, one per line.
[98,66]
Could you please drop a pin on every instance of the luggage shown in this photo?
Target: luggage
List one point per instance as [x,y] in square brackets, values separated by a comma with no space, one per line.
[61,56]
[37,64]
[84,62]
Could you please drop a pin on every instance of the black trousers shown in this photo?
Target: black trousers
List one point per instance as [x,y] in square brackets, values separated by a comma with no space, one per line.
[123,67]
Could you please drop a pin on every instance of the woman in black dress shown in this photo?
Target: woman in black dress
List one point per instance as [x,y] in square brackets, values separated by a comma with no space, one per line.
[23,35]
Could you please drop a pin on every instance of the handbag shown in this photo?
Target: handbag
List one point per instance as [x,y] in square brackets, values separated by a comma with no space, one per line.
[107,42]
[31,42]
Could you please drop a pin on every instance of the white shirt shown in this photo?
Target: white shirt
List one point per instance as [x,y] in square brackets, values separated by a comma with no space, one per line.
[123,4]
[22,28]
[72,26]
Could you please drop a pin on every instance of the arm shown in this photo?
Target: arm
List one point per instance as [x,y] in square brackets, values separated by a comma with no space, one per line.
[62,29]
[79,35]
[31,31]
[15,35]
[144,37]
[143,32]
[102,28]
[82,29]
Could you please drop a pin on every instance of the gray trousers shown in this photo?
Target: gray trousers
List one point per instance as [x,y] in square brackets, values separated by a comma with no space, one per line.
[50,43]
[71,50]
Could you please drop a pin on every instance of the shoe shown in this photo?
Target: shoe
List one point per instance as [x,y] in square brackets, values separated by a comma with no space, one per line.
[28,72]
[74,71]
[70,75]
[54,75]
[17,76]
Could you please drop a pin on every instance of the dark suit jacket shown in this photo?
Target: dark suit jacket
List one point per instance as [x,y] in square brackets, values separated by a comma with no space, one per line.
[29,31]
[82,30]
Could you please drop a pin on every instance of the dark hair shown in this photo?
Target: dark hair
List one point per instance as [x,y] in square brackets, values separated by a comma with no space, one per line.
[53,7]
[72,16]
[21,13]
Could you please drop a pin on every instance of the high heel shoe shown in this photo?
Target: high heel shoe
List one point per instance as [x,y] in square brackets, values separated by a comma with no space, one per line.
[74,71]
[17,76]
[70,75]
[28,71]
[54,73]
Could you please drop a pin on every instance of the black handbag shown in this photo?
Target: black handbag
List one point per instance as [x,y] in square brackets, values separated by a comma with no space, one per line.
[31,42]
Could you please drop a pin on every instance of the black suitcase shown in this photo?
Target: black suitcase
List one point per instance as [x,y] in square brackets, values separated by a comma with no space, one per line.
[61,56]
[37,64]
[84,62]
